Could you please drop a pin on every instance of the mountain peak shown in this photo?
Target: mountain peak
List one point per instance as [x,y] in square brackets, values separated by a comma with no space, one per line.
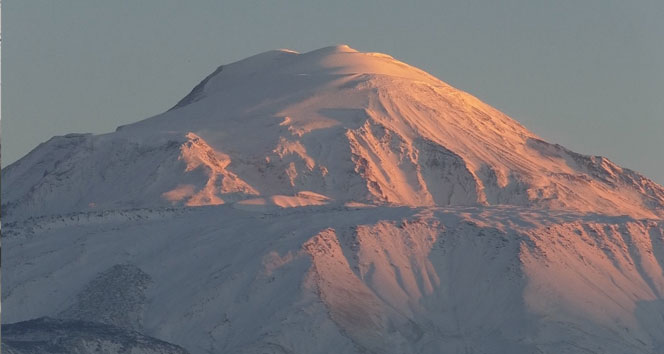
[332,60]
[335,123]
[338,48]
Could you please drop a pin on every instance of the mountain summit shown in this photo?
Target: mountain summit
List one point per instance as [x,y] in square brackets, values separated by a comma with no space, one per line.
[354,204]
[331,125]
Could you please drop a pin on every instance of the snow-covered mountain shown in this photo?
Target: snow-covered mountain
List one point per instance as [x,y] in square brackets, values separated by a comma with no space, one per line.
[335,201]
[329,125]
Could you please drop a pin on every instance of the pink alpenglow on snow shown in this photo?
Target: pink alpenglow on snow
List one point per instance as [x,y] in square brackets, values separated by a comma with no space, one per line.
[333,201]
[350,126]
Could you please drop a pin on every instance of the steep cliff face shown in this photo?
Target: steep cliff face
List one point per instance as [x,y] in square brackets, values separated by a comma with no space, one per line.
[326,202]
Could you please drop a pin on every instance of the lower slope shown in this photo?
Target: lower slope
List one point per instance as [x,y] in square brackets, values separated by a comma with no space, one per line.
[356,279]
[53,336]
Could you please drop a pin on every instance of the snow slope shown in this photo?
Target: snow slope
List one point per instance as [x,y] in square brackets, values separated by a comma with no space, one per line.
[331,202]
[335,279]
[344,125]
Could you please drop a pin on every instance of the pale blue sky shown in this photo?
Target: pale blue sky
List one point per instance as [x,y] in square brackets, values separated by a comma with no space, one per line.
[586,74]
